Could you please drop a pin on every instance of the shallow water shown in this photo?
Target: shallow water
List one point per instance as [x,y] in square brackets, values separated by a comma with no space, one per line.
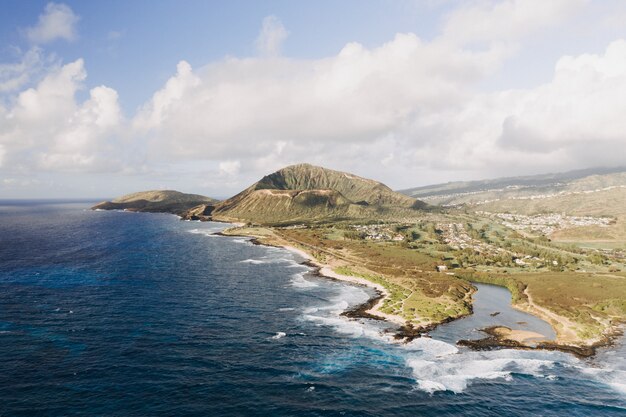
[489,300]
[113,313]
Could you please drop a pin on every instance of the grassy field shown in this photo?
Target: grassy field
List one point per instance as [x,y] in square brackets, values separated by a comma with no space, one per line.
[591,303]
[582,296]
[418,293]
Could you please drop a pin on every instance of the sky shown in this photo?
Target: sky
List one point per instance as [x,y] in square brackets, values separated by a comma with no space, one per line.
[103,98]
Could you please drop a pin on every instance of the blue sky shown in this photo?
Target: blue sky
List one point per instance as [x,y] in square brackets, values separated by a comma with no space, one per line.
[133,46]
[101,98]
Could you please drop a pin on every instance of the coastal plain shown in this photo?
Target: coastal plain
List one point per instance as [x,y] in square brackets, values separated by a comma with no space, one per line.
[562,261]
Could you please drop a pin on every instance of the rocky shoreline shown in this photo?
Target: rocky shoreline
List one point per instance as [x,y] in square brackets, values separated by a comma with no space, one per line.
[407,332]
[496,340]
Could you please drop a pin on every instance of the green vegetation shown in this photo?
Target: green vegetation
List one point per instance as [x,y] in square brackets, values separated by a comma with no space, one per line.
[159,201]
[591,302]
[520,233]
[417,292]
[306,193]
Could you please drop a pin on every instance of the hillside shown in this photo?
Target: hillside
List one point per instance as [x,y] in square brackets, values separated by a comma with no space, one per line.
[585,208]
[158,201]
[305,192]
[478,192]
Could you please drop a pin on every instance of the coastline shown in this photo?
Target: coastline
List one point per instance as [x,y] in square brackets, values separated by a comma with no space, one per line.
[566,340]
[407,331]
[373,305]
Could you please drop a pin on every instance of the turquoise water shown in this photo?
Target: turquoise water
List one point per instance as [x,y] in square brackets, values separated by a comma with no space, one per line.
[113,313]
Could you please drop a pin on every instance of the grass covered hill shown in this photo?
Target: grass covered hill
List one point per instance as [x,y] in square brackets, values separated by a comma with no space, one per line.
[306,192]
[156,201]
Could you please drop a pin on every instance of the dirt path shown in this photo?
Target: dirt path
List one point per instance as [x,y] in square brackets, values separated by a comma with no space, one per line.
[564,327]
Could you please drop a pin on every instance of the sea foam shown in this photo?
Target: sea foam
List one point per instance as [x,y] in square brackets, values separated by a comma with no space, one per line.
[433,372]
[298,281]
[253,261]
[205,232]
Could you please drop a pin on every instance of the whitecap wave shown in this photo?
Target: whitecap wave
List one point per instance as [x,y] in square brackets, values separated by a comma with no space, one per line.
[279,260]
[440,366]
[330,315]
[279,335]
[348,327]
[614,378]
[253,261]
[455,372]
[298,281]
[432,347]
[205,232]
[297,265]
[435,364]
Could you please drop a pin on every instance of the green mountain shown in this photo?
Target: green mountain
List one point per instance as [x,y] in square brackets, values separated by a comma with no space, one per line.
[305,192]
[160,201]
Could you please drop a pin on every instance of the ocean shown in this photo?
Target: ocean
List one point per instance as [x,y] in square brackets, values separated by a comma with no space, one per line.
[133,314]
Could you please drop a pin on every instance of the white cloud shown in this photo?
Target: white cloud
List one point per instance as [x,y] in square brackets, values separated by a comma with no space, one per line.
[14,76]
[57,22]
[230,168]
[169,99]
[488,20]
[573,121]
[396,112]
[47,129]
[582,106]
[246,106]
[272,36]
[409,100]
[114,35]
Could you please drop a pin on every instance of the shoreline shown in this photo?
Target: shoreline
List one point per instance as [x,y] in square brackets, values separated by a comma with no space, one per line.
[407,331]
[369,309]
[496,339]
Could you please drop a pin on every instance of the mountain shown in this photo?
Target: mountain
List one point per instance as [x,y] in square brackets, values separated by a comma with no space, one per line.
[161,201]
[306,192]
[528,187]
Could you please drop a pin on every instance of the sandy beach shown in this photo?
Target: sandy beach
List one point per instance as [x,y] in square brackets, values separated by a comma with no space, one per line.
[327,271]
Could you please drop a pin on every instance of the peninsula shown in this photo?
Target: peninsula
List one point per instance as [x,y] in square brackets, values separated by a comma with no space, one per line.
[422,258]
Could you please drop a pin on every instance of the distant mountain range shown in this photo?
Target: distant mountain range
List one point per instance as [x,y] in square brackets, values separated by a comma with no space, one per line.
[527,187]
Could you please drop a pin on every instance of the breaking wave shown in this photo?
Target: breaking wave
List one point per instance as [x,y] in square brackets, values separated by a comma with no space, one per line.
[298,281]
[434,371]
[205,232]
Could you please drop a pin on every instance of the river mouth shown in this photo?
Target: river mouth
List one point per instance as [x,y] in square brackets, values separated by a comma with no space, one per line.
[492,308]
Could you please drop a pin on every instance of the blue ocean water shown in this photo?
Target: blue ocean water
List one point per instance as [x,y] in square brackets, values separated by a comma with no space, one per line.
[130,314]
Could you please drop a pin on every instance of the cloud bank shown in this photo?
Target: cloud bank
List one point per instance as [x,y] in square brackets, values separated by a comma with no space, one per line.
[397,111]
